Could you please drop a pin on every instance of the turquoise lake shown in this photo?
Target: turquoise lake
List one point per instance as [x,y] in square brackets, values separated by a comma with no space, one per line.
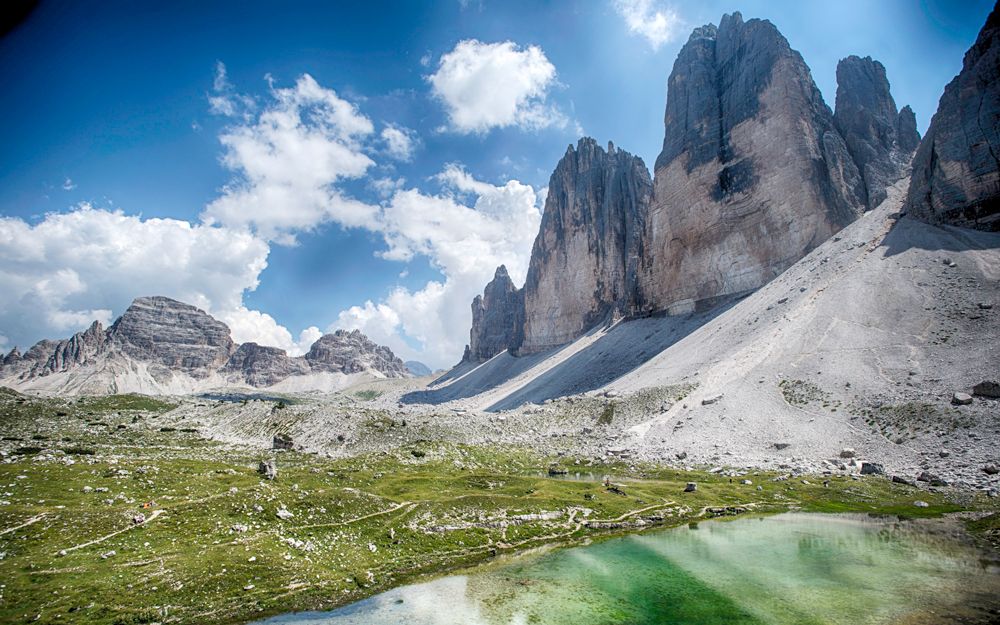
[788,569]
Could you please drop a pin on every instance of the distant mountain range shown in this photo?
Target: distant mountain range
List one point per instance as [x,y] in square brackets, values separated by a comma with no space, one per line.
[160,345]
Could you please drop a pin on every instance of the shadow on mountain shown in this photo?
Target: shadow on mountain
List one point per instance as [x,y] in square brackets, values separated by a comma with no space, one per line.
[910,233]
[626,346]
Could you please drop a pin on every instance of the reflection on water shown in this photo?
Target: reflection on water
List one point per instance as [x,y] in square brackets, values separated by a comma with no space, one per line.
[793,568]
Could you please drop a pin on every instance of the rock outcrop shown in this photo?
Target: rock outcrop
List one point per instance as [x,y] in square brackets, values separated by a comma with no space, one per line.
[956,171]
[584,263]
[497,318]
[879,138]
[161,337]
[353,352]
[259,365]
[753,172]
[173,334]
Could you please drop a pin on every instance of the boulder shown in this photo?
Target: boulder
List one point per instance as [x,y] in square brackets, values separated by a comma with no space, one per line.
[961,399]
[690,487]
[987,388]
[268,469]
[872,468]
[282,441]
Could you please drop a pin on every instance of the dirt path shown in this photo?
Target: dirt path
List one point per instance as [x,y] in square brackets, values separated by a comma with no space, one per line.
[152,516]
[33,519]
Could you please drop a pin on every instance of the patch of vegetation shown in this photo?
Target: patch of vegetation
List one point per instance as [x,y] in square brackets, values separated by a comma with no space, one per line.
[368,395]
[802,393]
[211,547]
[901,422]
[607,414]
[126,402]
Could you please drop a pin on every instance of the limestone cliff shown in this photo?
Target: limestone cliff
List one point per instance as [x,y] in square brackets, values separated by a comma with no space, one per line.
[584,263]
[879,138]
[956,171]
[497,318]
[753,172]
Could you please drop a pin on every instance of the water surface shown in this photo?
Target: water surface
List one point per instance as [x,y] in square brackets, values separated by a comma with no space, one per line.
[800,569]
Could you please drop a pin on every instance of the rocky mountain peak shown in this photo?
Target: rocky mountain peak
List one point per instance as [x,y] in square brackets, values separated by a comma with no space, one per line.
[867,119]
[350,351]
[173,334]
[753,173]
[585,257]
[497,316]
[956,170]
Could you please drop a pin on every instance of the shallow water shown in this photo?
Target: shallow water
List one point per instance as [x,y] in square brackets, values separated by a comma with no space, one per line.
[798,569]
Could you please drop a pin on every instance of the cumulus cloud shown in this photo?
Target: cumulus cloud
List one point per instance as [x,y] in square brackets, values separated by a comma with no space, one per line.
[399,142]
[465,243]
[70,269]
[495,85]
[224,100]
[287,162]
[650,19]
[261,328]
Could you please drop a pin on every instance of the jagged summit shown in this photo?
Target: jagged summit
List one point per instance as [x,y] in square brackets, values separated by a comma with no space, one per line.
[162,345]
[879,138]
[956,171]
[755,172]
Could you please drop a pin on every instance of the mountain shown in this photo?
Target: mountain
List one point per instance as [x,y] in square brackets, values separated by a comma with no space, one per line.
[160,345]
[880,139]
[497,318]
[584,260]
[956,171]
[417,368]
[755,172]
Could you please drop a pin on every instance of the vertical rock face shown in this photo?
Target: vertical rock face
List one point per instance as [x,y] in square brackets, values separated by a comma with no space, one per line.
[173,334]
[956,171]
[880,139]
[497,318]
[258,365]
[584,263]
[353,352]
[79,349]
[753,172]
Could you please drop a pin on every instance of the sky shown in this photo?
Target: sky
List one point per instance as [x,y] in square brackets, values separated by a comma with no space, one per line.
[365,165]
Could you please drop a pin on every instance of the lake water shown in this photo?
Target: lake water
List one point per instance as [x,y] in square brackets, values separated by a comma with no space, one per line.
[793,568]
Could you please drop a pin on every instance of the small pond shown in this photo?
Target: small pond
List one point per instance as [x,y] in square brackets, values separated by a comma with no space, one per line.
[793,568]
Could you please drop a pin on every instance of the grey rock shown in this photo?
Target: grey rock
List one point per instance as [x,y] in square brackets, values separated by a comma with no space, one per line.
[847,452]
[282,441]
[921,504]
[872,468]
[497,318]
[175,335]
[867,119]
[780,446]
[259,365]
[353,352]
[902,480]
[753,173]
[991,469]
[584,261]
[987,388]
[268,469]
[711,400]
[690,487]
[961,399]
[956,170]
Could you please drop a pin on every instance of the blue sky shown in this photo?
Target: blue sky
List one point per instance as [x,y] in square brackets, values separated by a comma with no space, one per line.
[141,145]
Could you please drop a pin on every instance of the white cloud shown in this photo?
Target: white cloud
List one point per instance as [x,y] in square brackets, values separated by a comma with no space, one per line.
[68,185]
[465,243]
[261,328]
[495,85]
[225,100]
[399,142]
[69,269]
[650,19]
[287,162]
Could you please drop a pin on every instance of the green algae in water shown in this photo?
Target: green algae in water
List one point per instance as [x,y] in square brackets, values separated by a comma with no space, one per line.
[802,569]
